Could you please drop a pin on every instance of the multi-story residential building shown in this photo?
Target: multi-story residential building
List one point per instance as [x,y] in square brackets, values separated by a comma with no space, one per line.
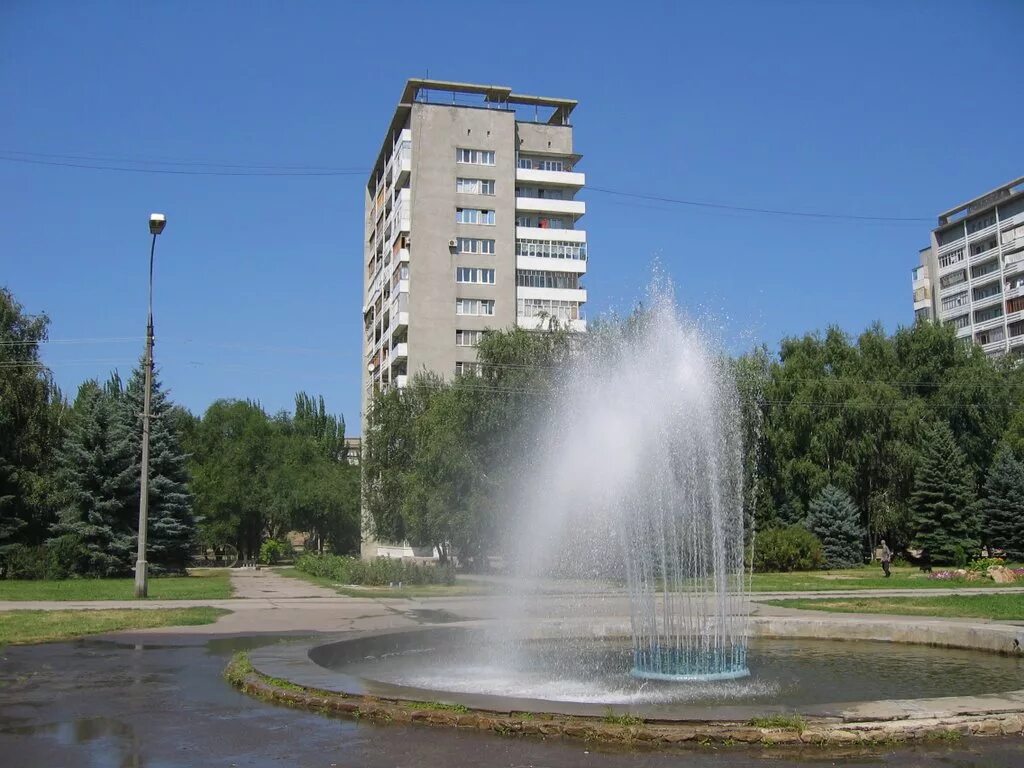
[972,273]
[472,223]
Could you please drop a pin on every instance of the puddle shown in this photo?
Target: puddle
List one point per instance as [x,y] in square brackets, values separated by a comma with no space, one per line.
[433,616]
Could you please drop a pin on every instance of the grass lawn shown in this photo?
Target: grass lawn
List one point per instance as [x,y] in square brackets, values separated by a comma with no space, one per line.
[202,585]
[20,627]
[1004,607]
[868,577]
[460,588]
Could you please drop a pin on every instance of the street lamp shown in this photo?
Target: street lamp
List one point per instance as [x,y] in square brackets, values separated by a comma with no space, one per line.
[157,222]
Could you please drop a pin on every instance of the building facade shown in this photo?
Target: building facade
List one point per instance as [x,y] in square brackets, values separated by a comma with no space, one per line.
[972,273]
[472,223]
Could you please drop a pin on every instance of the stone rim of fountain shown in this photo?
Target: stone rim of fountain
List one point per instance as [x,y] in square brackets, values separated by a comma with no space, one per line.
[848,722]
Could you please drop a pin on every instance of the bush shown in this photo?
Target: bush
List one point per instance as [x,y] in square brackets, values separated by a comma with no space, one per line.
[273,551]
[982,564]
[793,548]
[378,572]
[22,562]
[65,557]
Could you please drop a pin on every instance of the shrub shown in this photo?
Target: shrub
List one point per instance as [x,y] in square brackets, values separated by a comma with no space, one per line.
[65,556]
[377,572]
[793,548]
[274,551]
[22,562]
[982,564]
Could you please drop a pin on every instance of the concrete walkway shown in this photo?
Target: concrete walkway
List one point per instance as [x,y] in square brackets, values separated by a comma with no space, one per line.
[250,582]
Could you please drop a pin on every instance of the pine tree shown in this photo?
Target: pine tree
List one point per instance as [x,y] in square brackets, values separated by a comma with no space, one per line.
[942,501]
[94,488]
[1002,509]
[171,530]
[834,519]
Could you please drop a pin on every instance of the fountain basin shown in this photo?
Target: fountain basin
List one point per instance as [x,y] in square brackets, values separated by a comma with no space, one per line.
[436,664]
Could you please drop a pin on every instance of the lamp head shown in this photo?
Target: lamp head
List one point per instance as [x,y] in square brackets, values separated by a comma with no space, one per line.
[157,222]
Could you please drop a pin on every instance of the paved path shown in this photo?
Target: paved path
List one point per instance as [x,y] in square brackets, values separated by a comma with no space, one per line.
[250,583]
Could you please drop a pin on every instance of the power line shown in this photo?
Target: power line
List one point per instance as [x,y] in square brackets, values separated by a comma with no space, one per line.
[177,172]
[89,161]
[746,209]
[163,161]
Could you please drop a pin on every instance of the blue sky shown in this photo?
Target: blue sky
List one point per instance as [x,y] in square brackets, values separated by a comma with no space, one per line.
[875,108]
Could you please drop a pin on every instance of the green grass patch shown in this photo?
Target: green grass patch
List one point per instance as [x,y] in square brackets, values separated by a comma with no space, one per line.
[1000,607]
[463,587]
[626,720]
[21,627]
[203,585]
[784,722]
[867,577]
[433,706]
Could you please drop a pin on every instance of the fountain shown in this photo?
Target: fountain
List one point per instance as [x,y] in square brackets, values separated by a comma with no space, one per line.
[642,448]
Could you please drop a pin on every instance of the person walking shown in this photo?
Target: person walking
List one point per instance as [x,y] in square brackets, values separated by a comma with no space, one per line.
[886,559]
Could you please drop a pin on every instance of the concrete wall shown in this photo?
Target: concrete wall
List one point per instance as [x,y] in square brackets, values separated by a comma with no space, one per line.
[438,131]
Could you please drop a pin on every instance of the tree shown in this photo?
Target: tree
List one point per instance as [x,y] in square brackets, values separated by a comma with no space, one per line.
[942,500]
[231,459]
[1002,508]
[31,416]
[96,486]
[834,519]
[171,530]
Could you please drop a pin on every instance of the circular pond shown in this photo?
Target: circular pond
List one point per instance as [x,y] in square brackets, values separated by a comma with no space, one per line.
[456,663]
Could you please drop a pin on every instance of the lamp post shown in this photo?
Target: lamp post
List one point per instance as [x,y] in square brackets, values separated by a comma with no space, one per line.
[157,222]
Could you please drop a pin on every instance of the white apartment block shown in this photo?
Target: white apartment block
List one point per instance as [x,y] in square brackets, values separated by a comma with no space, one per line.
[472,223]
[972,274]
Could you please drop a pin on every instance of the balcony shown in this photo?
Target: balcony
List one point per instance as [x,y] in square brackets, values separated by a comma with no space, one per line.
[551,264]
[400,351]
[545,233]
[563,178]
[551,205]
[987,325]
[555,294]
[994,347]
[535,323]
[401,381]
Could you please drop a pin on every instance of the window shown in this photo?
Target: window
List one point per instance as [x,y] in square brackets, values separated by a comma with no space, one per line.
[990,313]
[951,258]
[979,224]
[550,165]
[475,156]
[468,369]
[475,186]
[1015,305]
[473,216]
[473,245]
[552,249]
[549,223]
[474,307]
[985,269]
[474,275]
[960,322]
[538,278]
[987,291]
[561,310]
[468,338]
[954,278]
[956,300]
[526,221]
[524,162]
[984,245]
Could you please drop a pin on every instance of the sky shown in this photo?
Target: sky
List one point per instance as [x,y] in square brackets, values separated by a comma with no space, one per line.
[890,109]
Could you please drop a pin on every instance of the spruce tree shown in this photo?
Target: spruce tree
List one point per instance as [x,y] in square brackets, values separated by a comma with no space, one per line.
[834,519]
[171,531]
[1002,509]
[94,488]
[942,501]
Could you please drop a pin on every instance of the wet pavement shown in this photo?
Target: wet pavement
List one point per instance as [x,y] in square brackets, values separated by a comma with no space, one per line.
[161,703]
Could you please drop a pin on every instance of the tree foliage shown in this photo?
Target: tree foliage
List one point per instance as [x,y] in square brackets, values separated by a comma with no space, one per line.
[833,518]
[1002,508]
[943,500]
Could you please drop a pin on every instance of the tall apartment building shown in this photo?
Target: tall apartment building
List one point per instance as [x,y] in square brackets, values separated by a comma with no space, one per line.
[972,273]
[471,223]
